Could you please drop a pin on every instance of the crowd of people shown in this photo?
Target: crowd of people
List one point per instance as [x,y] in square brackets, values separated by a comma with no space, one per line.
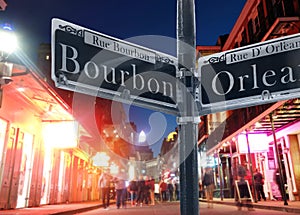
[143,190]
[244,195]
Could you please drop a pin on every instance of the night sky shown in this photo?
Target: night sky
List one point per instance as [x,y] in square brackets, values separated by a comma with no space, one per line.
[124,20]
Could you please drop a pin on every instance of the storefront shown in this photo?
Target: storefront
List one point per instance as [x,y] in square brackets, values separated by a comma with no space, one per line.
[253,145]
[41,156]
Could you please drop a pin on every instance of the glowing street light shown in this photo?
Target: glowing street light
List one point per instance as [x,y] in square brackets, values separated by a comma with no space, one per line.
[8,44]
[8,41]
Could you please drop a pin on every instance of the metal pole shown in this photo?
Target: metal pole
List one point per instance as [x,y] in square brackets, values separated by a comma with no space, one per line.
[220,175]
[187,119]
[251,167]
[231,171]
[278,161]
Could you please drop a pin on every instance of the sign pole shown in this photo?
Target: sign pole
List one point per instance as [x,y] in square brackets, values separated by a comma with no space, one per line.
[187,119]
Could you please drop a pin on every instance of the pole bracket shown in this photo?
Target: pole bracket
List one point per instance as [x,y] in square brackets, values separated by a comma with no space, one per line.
[183,72]
[186,119]
[180,73]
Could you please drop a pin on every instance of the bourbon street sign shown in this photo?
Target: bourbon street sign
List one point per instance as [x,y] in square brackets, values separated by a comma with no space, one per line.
[96,64]
[251,75]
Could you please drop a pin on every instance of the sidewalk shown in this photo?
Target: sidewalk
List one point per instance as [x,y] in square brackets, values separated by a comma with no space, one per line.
[72,208]
[57,209]
[292,207]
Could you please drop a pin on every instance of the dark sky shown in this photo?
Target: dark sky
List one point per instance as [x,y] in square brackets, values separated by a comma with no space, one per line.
[122,19]
[32,19]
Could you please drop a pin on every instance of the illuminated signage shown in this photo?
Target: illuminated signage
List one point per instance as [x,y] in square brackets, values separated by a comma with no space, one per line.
[258,143]
[96,64]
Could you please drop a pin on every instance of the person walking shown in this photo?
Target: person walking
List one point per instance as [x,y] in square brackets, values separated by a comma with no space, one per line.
[121,189]
[133,189]
[141,191]
[243,189]
[147,190]
[208,182]
[157,195]
[277,180]
[163,190]
[259,182]
[170,190]
[151,183]
[177,190]
[103,186]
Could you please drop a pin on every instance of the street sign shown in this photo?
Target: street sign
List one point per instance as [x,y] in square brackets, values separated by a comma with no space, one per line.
[93,63]
[252,75]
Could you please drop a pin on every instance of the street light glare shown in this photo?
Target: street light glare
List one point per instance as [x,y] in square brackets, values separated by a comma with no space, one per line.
[8,41]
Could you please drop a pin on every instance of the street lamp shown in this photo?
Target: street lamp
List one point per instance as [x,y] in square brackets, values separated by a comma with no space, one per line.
[8,42]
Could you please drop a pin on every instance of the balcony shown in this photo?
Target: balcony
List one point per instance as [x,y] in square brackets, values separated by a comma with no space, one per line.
[283,26]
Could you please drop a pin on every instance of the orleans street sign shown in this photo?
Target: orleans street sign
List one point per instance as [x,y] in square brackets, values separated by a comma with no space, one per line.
[97,64]
[252,75]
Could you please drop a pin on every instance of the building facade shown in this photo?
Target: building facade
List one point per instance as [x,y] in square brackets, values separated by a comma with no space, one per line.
[265,128]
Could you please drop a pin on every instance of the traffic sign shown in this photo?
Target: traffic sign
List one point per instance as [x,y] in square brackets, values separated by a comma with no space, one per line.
[252,75]
[100,65]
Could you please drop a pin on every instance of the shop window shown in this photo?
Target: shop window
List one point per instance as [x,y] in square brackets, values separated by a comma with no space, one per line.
[271,158]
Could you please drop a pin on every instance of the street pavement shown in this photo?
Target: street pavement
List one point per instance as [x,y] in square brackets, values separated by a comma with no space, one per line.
[292,207]
[226,206]
[173,209]
[168,208]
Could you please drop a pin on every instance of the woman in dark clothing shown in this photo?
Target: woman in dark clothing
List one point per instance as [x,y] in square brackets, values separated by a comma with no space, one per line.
[170,190]
[163,190]
[140,191]
[133,191]
[259,182]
